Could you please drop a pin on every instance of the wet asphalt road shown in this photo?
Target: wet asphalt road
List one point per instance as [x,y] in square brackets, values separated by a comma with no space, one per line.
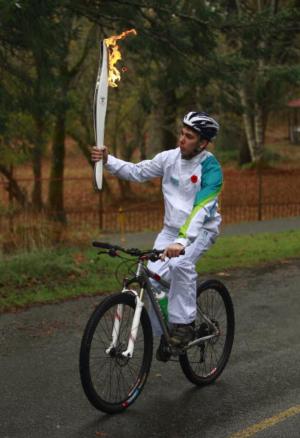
[41,395]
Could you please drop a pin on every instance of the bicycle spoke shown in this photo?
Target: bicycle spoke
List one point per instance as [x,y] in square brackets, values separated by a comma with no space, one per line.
[203,362]
[112,375]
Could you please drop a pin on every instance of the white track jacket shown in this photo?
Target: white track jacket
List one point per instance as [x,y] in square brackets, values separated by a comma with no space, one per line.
[190,189]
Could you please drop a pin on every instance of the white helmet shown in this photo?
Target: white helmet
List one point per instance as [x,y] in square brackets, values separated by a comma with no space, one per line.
[202,123]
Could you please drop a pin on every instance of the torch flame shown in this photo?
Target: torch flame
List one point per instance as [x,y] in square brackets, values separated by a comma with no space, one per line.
[114,74]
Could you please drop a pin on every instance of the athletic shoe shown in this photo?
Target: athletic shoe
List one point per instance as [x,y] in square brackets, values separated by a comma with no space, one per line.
[182,334]
[163,353]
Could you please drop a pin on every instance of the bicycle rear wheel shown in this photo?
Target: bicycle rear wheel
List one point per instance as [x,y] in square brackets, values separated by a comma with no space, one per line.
[203,363]
[111,381]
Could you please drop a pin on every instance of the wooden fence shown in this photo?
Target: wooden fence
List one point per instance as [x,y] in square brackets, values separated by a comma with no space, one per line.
[247,196]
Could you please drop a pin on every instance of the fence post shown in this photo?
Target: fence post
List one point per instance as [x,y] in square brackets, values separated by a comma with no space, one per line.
[122,221]
[260,191]
[100,209]
[10,202]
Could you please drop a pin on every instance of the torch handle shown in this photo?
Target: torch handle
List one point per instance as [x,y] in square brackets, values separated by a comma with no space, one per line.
[98,175]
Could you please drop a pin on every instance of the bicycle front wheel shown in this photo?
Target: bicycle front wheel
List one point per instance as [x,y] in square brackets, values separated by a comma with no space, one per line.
[110,380]
[203,363]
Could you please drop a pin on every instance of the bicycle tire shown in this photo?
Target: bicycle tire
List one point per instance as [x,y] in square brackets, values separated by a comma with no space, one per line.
[203,363]
[110,381]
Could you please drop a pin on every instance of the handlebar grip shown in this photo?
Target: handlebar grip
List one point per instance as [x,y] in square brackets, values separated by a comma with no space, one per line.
[160,251]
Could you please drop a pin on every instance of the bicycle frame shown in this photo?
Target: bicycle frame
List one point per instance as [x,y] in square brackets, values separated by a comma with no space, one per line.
[142,277]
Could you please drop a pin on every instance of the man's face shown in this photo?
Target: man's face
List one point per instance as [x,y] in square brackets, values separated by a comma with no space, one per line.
[190,143]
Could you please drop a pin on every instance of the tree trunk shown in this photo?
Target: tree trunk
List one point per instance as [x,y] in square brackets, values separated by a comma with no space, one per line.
[127,151]
[56,184]
[142,147]
[259,131]
[125,190]
[251,125]
[13,187]
[169,131]
[37,201]
[274,6]
[244,153]
[254,126]
[238,7]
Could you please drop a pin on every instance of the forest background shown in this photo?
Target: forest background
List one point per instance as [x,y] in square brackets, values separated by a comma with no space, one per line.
[238,60]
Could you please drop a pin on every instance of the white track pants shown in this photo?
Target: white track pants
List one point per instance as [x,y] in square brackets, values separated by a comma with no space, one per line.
[181,273]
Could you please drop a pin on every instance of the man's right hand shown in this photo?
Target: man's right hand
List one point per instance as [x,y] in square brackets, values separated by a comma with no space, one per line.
[99,154]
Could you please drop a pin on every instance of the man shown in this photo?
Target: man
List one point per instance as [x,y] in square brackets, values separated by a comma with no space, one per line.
[191,182]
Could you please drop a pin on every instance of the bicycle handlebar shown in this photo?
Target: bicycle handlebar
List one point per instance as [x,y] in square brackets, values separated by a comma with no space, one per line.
[105,245]
[150,254]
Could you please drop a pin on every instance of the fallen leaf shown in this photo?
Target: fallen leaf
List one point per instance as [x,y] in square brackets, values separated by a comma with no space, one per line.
[79,258]
[223,274]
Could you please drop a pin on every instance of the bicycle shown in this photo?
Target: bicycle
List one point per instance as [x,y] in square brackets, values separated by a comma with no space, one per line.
[117,344]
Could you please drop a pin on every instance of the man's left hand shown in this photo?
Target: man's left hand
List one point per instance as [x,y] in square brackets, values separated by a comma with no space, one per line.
[172,250]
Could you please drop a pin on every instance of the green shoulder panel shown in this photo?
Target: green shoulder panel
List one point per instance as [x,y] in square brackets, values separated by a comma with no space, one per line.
[211,186]
[211,180]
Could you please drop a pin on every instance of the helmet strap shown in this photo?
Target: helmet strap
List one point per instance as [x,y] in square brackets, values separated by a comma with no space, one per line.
[200,148]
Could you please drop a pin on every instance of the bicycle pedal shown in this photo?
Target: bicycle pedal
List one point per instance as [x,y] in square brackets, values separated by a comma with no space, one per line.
[178,351]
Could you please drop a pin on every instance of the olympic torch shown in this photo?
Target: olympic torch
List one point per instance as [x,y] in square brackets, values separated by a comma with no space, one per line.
[108,75]
[100,105]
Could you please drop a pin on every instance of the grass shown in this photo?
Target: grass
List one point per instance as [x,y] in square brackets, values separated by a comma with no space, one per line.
[250,250]
[54,275]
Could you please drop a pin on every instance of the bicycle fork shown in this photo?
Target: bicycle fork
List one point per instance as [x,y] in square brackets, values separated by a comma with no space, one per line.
[134,326]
